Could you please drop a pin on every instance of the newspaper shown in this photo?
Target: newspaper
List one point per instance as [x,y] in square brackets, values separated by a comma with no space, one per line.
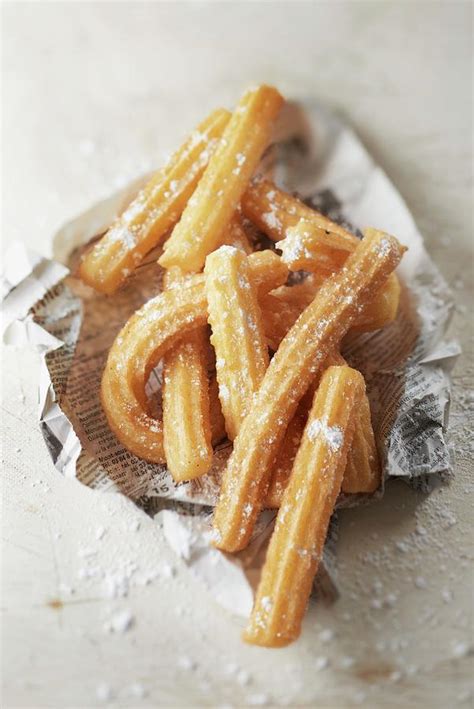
[406,365]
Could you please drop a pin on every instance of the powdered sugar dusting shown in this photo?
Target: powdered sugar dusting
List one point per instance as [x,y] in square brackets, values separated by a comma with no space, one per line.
[333,435]
[292,248]
[271,220]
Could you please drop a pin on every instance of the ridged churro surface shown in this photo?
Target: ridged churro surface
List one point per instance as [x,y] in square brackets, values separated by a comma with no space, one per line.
[209,211]
[237,333]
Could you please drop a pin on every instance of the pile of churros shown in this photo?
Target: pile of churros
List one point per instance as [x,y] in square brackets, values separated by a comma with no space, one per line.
[268,372]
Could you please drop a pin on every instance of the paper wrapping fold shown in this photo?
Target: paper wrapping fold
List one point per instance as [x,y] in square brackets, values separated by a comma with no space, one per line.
[406,365]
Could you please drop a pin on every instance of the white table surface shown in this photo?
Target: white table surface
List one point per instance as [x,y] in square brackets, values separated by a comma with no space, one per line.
[95,93]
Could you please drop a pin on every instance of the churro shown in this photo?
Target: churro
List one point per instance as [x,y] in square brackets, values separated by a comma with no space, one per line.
[237,333]
[297,541]
[186,414]
[219,191]
[301,354]
[154,211]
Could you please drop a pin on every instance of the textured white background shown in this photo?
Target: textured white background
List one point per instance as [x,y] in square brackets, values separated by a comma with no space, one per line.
[97,93]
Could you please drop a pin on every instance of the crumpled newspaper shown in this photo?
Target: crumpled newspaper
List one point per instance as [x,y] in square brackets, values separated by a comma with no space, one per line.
[406,365]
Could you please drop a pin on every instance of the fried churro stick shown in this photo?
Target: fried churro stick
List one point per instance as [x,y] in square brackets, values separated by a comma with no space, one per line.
[186,417]
[316,333]
[143,341]
[237,333]
[154,211]
[297,541]
[362,473]
[275,211]
[226,177]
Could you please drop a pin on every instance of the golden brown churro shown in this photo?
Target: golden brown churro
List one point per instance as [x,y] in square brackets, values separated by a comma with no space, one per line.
[186,414]
[154,211]
[237,333]
[218,194]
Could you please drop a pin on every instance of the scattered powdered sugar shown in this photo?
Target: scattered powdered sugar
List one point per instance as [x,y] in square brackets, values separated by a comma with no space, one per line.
[462,649]
[421,582]
[447,595]
[333,435]
[346,662]
[271,220]
[292,247]
[224,393]
[258,700]
[65,589]
[85,553]
[243,678]
[87,147]
[99,533]
[132,211]
[321,663]
[104,692]
[227,249]
[186,663]
[326,635]
[134,525]
[122,235]
[137,690]
[196,138]
[385,247]
[120,622]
